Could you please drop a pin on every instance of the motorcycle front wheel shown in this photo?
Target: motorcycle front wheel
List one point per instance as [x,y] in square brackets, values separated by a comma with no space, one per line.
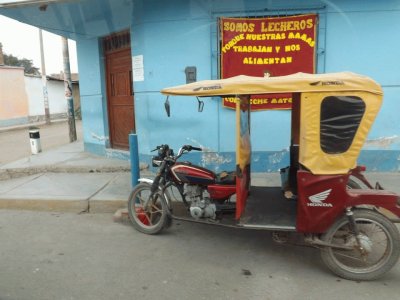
[380,243]
[148,214]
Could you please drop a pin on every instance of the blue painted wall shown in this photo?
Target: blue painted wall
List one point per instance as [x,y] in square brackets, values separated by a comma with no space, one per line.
[359,36]
[93,99]
[175,34]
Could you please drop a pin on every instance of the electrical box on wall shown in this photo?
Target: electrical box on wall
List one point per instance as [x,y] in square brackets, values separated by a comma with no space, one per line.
[191,75]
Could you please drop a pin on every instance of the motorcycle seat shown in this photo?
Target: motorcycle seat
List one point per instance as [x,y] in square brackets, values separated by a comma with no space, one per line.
[226,178]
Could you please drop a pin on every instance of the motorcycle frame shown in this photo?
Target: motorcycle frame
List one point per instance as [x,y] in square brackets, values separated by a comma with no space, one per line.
[166,177]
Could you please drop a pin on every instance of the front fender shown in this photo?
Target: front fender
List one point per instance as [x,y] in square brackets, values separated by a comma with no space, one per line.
[146,180]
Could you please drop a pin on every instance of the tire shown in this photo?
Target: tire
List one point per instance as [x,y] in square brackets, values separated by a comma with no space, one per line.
[155,217]
[375,229]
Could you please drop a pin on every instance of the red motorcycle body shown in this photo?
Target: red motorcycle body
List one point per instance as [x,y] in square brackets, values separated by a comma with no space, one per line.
[185,172]
[220,191]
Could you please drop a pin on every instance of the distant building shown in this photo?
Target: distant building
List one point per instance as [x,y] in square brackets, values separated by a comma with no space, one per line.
[21,97]
[13,97]
[128,50]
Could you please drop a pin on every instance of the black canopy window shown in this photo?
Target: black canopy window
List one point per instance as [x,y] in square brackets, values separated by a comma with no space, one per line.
[340,118]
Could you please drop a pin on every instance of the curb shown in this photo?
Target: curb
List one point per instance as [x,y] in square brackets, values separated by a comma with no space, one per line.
[33,124]
[74,206]
[107,197]
[12,173]
[67,206]
[107,206]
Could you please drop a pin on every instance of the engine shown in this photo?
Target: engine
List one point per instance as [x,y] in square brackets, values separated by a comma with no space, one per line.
[200,205]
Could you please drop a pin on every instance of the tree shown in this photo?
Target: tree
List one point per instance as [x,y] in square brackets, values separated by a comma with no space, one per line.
[27,64]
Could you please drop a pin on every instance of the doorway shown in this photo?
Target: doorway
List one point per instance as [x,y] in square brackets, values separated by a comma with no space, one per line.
[120,95]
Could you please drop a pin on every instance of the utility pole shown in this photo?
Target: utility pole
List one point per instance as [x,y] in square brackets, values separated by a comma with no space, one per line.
[1,55]
[68,90]
[44,80]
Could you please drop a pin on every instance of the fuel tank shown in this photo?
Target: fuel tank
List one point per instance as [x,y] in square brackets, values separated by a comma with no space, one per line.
[187,173]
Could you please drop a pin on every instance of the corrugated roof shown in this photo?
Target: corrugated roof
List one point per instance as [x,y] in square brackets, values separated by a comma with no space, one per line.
[60,77]
[8,3]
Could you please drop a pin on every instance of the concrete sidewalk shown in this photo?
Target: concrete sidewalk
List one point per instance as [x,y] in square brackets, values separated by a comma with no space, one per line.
[68,179]
[65,179]
[69,158]
[29,125]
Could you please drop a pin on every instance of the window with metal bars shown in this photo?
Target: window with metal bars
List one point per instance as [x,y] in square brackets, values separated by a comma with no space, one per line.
[117,41]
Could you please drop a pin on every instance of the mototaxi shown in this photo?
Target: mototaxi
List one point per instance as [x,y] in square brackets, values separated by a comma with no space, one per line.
[330,120]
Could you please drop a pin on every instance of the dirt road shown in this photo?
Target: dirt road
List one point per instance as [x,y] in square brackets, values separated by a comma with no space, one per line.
[14,144]
[68,256]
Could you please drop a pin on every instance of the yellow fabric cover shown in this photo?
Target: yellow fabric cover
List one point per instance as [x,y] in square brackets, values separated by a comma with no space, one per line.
[310,153]
[243,144]
[295,83]
[313,88]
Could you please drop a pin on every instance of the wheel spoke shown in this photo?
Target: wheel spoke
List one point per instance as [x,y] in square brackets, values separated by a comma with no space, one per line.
[148,219]
[152,212]
[140,211]
[142,201]
[373,229]
[382,243]
[147,210]
[374,258]
[156,209]
[348,256]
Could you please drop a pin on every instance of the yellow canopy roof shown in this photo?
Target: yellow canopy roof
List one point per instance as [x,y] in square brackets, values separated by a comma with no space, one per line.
[295,83]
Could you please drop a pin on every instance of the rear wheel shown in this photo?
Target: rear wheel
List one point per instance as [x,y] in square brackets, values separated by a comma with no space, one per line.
[148,214]
[380,243]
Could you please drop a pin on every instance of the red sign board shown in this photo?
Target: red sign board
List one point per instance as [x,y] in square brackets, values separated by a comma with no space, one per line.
[267,47]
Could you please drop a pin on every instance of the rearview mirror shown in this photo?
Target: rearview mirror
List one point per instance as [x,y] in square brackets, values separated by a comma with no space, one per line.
[167,107]
[201,105]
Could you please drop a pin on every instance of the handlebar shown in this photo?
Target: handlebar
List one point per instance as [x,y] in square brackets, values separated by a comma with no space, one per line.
[182,150]
[158,148]
[166,156]
[190,148]
[186,148]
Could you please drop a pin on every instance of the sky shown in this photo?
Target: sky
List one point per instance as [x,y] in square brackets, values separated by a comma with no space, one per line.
[22,41]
